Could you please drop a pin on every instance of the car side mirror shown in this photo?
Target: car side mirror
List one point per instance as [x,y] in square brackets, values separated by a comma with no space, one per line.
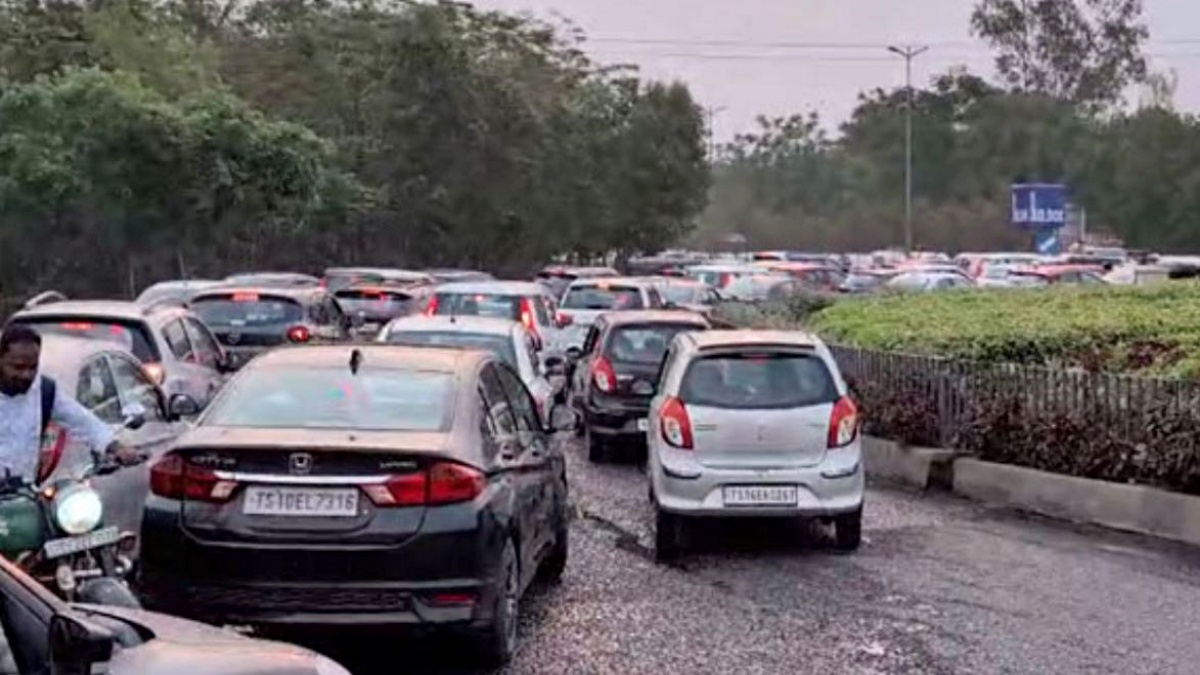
[134,416]
[229,362]
[574,353]
[77,646]
[564,418]
[182,405]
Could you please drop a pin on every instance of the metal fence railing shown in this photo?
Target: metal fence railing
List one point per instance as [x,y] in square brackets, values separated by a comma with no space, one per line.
[953,391]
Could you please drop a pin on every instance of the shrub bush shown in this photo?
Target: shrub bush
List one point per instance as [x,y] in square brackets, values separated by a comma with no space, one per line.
[1147,328]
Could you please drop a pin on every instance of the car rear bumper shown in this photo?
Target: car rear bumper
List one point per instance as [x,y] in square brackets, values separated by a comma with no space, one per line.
[320,604]
[617,420]
[835,486]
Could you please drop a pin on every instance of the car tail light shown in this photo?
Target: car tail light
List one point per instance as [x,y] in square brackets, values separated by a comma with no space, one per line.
[432,308]
[676,425]
[442,483]
[155,372]
[299,334]
[843,423]
[50,453]
[527,315]
[565,319]
[174,478]
[604,375]
[726,277]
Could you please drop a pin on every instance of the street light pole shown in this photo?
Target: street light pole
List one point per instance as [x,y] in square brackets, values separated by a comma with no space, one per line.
[909,53]
[712,141]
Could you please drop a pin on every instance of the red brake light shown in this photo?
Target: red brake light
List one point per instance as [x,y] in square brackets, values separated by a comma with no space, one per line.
[77,325]
[432,307]
[245,297]
[442,483]
[299,334]
[726,277]
[676,425]
[51,451]
[565,319]
[843,423]
[527,314]
[604,376]
[172,477]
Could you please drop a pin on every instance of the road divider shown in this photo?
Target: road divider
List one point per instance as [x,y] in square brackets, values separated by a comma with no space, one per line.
[1131,508]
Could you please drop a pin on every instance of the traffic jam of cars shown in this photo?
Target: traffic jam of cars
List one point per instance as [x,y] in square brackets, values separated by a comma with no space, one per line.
[377,448]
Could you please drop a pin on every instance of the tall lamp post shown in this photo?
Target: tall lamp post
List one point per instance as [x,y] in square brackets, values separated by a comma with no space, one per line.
[908,53]
[711,113]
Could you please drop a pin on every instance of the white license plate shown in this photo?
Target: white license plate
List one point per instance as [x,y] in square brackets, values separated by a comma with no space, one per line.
[643,424]
[57,548]
[300,502]
[760,495]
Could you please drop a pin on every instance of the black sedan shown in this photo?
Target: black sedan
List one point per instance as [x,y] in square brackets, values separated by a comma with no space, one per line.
[373,485]
[42,634]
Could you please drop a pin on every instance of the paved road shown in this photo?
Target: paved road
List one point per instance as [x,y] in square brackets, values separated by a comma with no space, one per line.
[940,586]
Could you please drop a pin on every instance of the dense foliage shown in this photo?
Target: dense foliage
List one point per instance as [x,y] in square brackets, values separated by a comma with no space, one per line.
[1143,328]
[143,140]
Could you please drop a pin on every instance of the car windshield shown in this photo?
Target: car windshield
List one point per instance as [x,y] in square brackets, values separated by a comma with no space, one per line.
[682,294]
[480,304]
[602,297]
[500,345]
[133,336]
[758,380]
[332,398]
[644,344]
[248,310]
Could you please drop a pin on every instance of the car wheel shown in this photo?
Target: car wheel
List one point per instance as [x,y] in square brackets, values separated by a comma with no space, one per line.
[555,564]
[597,448]
[498,642]
[668,536]
[848,530]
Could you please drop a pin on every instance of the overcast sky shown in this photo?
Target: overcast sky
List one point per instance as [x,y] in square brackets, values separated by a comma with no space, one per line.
[777,57]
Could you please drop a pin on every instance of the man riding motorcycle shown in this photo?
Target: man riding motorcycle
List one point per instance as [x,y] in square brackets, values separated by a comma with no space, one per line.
[29,402]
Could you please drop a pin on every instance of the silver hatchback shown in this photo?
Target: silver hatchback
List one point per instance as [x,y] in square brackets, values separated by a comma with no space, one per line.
[753,423]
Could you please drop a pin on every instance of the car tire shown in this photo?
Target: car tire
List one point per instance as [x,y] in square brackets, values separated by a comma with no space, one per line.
[552,568]
[668,536]
[848,531]
[597,448]
[498,642]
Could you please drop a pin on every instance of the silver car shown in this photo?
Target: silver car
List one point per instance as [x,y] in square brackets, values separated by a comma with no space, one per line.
[525,301]
[175,346]
[509,340]
[586,299]
[753,423]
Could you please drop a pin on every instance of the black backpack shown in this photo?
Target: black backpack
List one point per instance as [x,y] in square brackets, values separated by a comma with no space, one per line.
[49,388]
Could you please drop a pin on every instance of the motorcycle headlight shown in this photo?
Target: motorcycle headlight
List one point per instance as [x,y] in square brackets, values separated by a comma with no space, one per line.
[78,510]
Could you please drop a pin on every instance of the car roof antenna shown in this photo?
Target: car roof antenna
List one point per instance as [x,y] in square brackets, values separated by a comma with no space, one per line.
[356,359]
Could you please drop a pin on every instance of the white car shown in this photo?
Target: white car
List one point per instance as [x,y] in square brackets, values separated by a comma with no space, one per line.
[586,299]
[509,340]
[753,423]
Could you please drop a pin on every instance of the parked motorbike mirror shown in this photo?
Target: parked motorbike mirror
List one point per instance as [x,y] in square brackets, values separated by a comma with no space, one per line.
[78,646]
[182,405]
[135,416]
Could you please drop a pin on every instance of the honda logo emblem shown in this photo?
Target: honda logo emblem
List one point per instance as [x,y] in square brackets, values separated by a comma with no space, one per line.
[300,464]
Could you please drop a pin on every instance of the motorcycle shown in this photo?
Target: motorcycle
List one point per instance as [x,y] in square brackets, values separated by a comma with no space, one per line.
[54,530]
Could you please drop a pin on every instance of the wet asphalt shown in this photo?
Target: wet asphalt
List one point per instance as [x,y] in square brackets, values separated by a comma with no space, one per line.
[940,585]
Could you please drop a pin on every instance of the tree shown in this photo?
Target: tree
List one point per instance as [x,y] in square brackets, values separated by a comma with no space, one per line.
[1086,51]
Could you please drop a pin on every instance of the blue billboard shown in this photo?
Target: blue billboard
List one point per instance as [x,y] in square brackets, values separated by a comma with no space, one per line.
[1039,205]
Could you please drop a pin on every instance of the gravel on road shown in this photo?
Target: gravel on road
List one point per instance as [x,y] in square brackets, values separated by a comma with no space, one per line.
[940,585]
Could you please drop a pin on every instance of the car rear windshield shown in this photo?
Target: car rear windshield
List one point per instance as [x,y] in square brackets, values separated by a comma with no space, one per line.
[133,335]
[645,344]
[767,379]
[603,297]
[365,295]
[500,345]
[248,310]
[480,304]
[336,281]
[682,294]
[333,398]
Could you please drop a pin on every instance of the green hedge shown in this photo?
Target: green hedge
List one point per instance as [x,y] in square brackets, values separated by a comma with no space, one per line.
[1153,329]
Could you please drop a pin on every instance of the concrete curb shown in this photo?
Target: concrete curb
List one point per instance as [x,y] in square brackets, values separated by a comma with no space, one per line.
[1133,508]
[924,468]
